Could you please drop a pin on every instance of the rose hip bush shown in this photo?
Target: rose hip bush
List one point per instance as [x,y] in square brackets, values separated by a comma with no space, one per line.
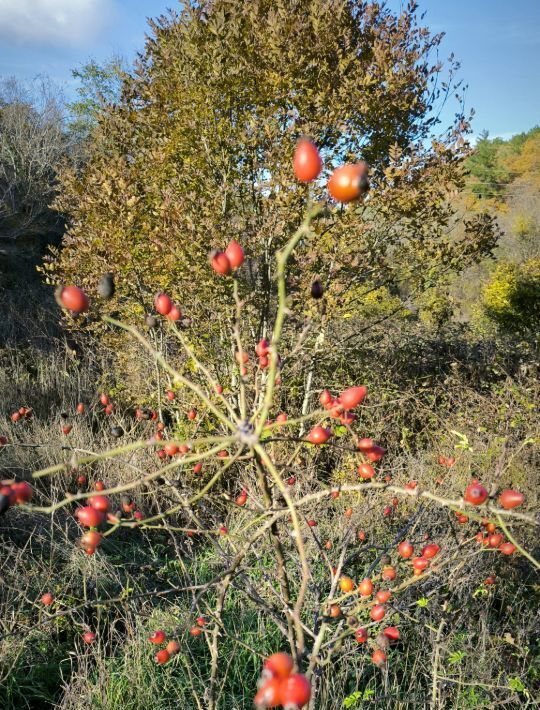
[347,561]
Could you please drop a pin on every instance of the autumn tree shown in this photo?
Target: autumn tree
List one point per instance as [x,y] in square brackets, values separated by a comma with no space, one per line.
[99,85]
[197,151]
[511,299]
[489,176]
[32,147]
[482,291]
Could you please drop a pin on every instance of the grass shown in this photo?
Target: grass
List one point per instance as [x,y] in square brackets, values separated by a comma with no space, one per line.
[463,645]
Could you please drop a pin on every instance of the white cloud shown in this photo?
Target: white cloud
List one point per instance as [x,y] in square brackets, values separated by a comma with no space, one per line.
[52,22]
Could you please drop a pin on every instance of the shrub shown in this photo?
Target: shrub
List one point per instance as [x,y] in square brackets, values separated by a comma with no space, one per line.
[511,299]
[192,155]
[265,511]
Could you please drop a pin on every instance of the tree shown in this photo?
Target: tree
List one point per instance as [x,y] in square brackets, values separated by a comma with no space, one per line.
[485,165]
[192,155]
[99,85]
[511,299]
[32,147]
[520,156]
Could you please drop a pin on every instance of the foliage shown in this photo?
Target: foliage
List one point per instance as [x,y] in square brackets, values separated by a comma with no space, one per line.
[495,163]
[516,207]
[371,304]
[436,308]
[32,147]
[193,151]
[484,164]
[98,85]
[521,155]
[511,299]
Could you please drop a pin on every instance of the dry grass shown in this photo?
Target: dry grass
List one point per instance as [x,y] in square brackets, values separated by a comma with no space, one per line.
[463,644]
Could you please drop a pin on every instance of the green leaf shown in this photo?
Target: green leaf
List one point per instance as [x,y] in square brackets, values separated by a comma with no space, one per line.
[352,700]
[456,657]
[463,441]
[516,685]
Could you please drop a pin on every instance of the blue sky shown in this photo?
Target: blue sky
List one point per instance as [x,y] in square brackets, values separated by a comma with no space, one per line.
[497,41]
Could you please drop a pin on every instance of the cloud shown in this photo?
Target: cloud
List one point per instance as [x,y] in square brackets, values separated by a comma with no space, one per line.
[53,22]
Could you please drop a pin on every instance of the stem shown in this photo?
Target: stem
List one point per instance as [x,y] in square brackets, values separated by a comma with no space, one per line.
[213,383]
[516,543]
[299,544]
[280,557]
[282,259]
[177,377]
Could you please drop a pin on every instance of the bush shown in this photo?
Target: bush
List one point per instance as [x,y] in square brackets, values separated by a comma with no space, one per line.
[264,546]
[194,150]
[511,299]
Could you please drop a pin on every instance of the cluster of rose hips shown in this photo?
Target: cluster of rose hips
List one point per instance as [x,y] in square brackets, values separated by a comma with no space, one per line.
[158,638]
[108,406]
[279,686]
[21,413]
[171,449]
[338,408]
[96,512]
[366,589]
[377,612]
[422,561]
[14,493]
[494,540]
[165,306]
[92,516]
[446,461]
[262,350]
[382,641]
[346,183]
[476,494]
[223,262]
[146,414]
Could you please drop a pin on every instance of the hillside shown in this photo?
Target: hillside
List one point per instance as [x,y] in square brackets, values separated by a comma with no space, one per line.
[269,393]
